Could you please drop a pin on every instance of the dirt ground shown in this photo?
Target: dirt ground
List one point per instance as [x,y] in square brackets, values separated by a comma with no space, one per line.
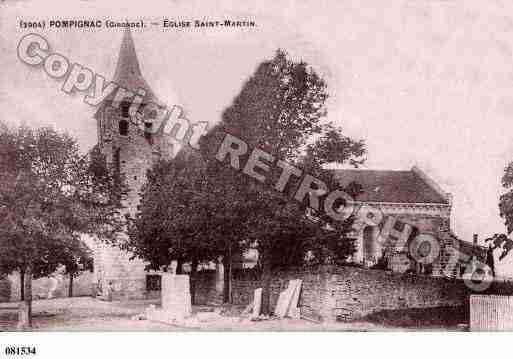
[90,314]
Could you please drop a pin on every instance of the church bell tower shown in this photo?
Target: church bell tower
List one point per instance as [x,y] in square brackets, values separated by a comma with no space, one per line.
[128,141]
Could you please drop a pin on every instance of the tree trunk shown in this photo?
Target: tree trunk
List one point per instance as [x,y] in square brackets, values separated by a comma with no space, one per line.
[70,289]
[179,266]
[22,285]
[28,296]
[194,270]
[227,279]
[266,286]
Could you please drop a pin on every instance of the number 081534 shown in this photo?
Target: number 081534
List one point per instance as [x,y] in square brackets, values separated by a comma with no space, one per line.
[15,350]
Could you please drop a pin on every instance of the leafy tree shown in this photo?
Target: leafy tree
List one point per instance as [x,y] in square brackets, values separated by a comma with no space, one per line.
[196,208]
[502,241]
[49,193]
[506,199]
[281,110]
[179,218]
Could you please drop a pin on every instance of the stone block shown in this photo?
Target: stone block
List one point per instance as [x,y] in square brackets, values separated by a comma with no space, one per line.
[176,295]
[176,300]
[257,303]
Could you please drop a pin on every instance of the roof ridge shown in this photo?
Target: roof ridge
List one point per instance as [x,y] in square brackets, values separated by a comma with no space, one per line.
[391,186]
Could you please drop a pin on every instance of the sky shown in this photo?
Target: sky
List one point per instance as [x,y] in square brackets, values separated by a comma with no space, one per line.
[425,83]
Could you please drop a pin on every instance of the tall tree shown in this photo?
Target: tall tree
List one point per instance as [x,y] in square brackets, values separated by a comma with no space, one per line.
[281,110]
[49,193]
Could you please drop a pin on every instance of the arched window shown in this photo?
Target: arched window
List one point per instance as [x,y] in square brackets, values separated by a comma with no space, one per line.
[148,131]
[123,127]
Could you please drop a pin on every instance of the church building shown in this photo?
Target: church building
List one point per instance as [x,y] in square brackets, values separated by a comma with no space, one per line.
[414,202]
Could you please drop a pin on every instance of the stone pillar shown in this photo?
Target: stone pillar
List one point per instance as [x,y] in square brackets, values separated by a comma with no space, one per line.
[219,277]
[23,316]
[176,295]
[176,300]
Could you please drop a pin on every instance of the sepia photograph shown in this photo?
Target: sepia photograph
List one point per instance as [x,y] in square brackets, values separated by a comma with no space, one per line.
[274,166]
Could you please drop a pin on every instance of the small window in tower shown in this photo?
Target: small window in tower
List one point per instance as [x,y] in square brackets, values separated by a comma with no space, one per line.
[125,109]
[148,130]
[123,127]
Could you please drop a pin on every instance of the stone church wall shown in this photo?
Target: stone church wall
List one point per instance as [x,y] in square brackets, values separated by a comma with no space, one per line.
[346,293]
[127,277]
[132,155]
[420,223]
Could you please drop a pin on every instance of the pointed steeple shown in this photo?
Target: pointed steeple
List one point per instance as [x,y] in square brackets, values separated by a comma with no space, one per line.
[128,71]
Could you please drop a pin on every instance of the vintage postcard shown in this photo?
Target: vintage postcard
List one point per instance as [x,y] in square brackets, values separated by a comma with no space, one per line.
[268,166]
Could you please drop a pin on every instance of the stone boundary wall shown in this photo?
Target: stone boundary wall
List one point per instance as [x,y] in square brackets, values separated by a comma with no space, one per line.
[353,292]
[313,289]
[205,284]
[346,293]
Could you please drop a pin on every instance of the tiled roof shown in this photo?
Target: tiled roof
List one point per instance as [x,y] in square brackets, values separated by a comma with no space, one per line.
[392,186]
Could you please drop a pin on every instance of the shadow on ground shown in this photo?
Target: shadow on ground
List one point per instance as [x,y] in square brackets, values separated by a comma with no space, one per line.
[448,318]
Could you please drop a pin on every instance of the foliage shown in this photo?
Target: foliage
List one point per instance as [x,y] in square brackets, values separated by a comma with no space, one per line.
[506,212]
[175,221]
[506,200]
[500,241]
[281,110]
[195,208]
[50,194]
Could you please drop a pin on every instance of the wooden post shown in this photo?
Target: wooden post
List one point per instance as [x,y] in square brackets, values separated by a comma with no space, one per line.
[22,285]
[70,289]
